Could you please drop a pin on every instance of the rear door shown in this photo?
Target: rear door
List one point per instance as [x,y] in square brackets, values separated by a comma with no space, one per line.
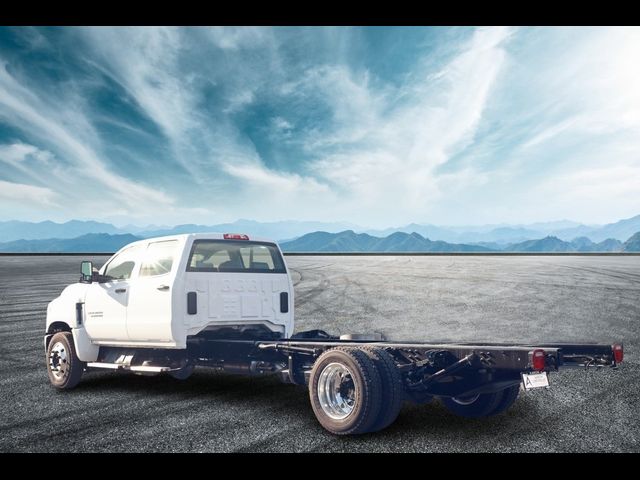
[239,282]
[149,310]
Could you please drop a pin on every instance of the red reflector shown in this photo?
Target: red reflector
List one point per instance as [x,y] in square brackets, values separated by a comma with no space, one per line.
[618,352]
[235,236]
[537,359]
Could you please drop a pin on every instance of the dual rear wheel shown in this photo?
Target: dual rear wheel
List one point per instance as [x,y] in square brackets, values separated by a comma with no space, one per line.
[355,390]
[482,405]
[359,390]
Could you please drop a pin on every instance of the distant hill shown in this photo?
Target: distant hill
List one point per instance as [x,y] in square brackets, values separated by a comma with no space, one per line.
[471,234]
[504,235]
[16,230]
[349,241]
[91,242]
[633,244]
[283,230]
[621,230]
[547,244]
[554,244]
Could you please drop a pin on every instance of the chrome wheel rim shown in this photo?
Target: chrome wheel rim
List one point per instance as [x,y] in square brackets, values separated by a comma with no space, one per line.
[465,400]
[58,361]
[337,391]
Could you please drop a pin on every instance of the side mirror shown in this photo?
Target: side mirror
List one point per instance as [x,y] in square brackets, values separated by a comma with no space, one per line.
[86,270]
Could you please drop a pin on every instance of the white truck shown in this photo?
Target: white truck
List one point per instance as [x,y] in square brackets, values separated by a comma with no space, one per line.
[166,305]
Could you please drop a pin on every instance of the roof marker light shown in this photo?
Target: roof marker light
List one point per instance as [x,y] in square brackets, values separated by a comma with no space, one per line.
[235,236]
[538,359]
[618,352]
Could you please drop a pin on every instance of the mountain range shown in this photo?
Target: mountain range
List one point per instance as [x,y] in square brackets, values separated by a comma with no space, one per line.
[283,230]
[495,236]
[295,236]
[346,241]
[91,242]
[349,241]
[503,235]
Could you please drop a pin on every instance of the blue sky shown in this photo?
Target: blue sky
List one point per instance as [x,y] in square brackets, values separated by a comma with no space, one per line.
[374,126]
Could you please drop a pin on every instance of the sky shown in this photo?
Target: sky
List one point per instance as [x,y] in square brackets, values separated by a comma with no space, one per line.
[375,126]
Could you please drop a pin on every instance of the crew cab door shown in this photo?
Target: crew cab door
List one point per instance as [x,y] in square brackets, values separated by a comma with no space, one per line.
[106,302]
[149,312]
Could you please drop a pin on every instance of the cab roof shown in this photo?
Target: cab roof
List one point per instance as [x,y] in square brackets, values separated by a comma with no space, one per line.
[198,236]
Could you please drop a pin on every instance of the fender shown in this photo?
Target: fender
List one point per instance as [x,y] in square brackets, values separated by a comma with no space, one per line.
[62,314]
[86,351]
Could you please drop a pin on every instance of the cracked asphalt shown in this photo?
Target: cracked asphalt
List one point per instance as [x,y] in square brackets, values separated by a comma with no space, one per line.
[430,298]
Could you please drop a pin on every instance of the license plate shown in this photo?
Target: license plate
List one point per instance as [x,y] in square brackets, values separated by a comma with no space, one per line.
[535,380]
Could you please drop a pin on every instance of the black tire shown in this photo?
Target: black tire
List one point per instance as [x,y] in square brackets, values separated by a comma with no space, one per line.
[509,395]
[183,373]
[63,365]
[392,388]
[482,406]
[365,396]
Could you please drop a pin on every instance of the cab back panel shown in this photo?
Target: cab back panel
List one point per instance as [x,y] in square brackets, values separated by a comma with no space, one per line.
[226,299]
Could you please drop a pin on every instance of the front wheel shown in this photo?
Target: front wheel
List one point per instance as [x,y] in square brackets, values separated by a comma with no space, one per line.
[63,365]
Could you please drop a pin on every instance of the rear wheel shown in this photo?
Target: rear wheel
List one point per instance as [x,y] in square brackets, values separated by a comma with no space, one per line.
[182,373]
[392,387]
[509,395]
[345,391]
[63,365]
[475,406]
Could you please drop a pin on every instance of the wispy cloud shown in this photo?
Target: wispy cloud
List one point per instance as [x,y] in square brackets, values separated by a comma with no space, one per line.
[18,193]
[18,154]
[270,182]
[64,129]
[377,126]
[394,165]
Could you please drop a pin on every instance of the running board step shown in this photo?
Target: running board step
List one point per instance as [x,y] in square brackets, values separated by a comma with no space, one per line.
[132,368]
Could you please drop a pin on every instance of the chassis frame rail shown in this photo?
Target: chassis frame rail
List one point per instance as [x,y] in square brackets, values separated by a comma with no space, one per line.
[427,369]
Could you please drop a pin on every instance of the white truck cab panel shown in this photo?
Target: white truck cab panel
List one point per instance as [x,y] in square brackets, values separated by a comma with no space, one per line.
[237,283]
[142,296]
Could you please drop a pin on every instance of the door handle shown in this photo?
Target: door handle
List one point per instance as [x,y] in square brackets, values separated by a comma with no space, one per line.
[121,290]
[163,287]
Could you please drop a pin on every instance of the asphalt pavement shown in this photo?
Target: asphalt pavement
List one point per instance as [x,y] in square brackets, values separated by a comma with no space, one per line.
[419,298]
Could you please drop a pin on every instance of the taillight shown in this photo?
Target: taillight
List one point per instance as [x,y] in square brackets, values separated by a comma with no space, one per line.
[537,359]
[618,352]
[235,236]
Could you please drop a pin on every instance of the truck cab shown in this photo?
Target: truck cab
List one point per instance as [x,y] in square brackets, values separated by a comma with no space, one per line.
[158,292]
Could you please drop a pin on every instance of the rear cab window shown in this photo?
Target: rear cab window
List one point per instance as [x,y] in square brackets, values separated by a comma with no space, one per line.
[235,256]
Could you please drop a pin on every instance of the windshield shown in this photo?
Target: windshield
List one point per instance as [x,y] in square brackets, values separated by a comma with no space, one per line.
[235,256]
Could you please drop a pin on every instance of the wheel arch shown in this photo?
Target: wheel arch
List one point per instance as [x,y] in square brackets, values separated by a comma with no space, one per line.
[85,349]
[58,326]
[54,328]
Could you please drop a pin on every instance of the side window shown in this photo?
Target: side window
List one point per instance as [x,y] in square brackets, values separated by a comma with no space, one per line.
[121,266]
[158,258]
